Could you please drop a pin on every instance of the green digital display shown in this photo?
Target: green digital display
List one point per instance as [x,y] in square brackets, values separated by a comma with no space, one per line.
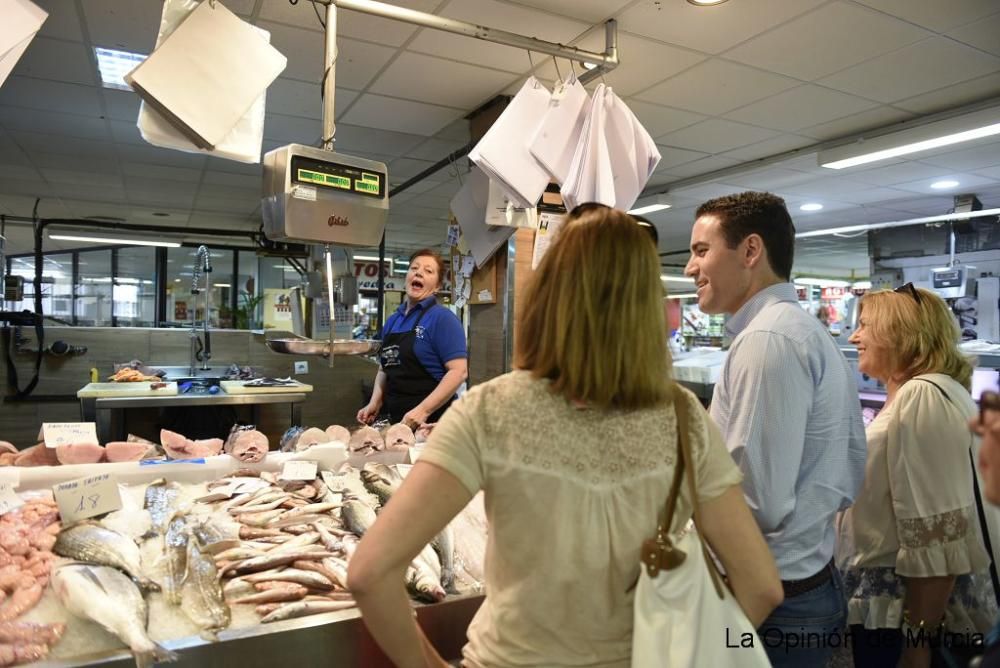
[342,177]
[366,187]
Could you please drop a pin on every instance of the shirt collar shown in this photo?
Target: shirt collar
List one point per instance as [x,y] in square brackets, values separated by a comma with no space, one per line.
[780,292]
[422,304]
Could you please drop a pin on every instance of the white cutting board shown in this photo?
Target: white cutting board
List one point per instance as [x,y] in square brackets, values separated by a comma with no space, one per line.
[239,387]
[97,390]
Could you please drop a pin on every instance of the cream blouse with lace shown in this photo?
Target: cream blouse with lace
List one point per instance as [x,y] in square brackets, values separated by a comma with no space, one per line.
[570,496]
[916,514]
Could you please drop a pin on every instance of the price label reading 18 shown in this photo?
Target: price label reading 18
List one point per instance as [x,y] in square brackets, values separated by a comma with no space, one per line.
[87,497]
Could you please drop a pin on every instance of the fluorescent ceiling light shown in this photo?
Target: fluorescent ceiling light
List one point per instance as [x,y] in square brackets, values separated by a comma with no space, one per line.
[221,285]
[862,285]
[370,258]
[650,204]
[944,185]
[811,206]
[706,3]
[898,223]
[968,127]
[114,65]
[679,279]
[686,295]
[821,282]
[113,240]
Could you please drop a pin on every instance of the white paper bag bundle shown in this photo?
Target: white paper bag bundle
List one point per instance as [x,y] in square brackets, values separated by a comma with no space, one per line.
[614,158]
[469,206]
[503,153]
[21,21]
[558,133]
[206,76]
[244,141]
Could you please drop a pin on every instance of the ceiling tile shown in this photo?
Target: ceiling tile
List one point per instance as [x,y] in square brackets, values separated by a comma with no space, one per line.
[966,182]
[990,172]
[501,16]
[591,11]
[671,156]
[434,149]
[292,129]
[800,107]
[359,62]
[376,111]
[770,147]
[952,96]
[23,172]
[82,162]
[938,16]
[155,155]
[871,119]
[148,171]
[62,22]
[95,179]
[124,132]
[57,60]
[968,159]
[213,177]
[769,179]
[903,173]
[732,86]
[915,69]
[829,188]
[829,39]
[709,29]
[33,142]
[716,135]
[981,34]
[873,196]
[357,139]
[457,130]
[355,24]
[298,98]
[659,120]
[703,166]
[51,96]
[427,79]
[45,122]
[131,26]
[121,105]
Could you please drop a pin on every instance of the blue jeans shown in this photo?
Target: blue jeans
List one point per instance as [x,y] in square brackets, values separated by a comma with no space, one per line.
[806,629]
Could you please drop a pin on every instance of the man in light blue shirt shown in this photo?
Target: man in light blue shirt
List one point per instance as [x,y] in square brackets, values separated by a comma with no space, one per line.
[788,408]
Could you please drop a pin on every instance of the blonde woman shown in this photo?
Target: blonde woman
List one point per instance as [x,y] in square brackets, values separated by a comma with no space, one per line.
[575,452]
[913,528]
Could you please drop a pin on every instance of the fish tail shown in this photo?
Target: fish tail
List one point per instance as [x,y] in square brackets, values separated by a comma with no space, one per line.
[147,585]
[156,655]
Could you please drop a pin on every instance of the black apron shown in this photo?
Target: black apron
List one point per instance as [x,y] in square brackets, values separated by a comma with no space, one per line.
[407,381]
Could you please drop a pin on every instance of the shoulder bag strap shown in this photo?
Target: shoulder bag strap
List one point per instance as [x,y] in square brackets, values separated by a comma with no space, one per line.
[686,460]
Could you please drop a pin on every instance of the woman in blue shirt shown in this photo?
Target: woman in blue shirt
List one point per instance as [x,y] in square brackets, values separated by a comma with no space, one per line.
[423,359]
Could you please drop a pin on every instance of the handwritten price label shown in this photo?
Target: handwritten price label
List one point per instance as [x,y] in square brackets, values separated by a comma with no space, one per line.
[87,497]
[66,433]
[299,470]
[9,500]
[336,482]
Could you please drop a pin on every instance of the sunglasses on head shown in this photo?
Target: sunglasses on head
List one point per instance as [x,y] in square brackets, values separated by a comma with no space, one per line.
[909,289]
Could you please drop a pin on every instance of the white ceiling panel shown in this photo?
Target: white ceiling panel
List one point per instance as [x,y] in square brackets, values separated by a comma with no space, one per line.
[359,62]
[874,196]
[51,143]
[833,37]
[990,172]
[915,69]
[967,183]
[130,26]
[845,126]
[248,181]
[769,147]
[591,11]
[502,16]
[57,60]
[23,172]
[95,179]
[769,179]
[709,29]
[353,24]
[671,156]
[51,96]
[62,21]
[34,120]
[121,105]
[903,173]
[83,191]
[703,166]
[153,171]
[435,149]
[377,111]
[950,96]
[938,16]
[972,158]
[428,79]
[108,164]
[292,97]
[292,129]
[161,156]
[733,86]
[124,132]
[659,120]
[716,135]
[800,107]
[831,187]
[982,34]
[357,139]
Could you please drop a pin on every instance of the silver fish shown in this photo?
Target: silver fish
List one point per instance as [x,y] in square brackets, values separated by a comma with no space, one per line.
[380,481]
[201,594]
[296,575]
[303,608]
[358,516]
[217,537]
[161,502]
[108,597]
[269,561]
[175,545]
[95,544]
[444,545]
[423,577]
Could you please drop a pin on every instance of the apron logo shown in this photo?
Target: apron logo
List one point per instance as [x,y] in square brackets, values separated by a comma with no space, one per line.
[390,356]
[419,330]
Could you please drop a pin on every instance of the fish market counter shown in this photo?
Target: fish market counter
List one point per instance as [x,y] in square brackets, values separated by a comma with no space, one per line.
[335,638]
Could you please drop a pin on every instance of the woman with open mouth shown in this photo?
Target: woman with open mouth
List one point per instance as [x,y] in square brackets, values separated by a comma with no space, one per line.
[423,359]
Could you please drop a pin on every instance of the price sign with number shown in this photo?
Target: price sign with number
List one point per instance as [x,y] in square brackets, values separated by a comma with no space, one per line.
[87,497]
[299,470]
[68,433]
[9,500]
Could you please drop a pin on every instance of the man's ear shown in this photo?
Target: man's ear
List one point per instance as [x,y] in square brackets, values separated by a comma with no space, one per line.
[753,251]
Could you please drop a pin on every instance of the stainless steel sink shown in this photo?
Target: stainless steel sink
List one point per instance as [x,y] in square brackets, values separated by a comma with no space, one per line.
[178,373]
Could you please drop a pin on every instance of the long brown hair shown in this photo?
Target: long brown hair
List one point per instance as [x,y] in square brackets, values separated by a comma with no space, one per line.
[592,317]
[922,335]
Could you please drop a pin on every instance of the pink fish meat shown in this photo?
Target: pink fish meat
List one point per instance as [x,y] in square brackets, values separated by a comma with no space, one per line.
[7,447]
[366,440]
[309,438]
[337,433]
[249,446]
[180,447]
[125,451]
[37,455]
[79,453]
[399,437]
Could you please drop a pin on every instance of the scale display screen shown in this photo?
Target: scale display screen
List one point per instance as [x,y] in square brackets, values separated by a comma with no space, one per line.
[340,177]
[948,279]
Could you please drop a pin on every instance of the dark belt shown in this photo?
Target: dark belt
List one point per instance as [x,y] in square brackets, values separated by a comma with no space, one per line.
[797,587]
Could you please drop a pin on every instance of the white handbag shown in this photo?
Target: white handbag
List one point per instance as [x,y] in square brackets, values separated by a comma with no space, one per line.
[684,616]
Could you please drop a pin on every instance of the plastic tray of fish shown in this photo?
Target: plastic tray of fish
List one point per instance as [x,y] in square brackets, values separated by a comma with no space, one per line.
[245,550]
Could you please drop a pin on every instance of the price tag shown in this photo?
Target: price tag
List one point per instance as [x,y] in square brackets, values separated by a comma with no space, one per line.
[66,433]
[468,265]
[299,470]
[336,482]
[9,500]
[453,233]
[87,497]
[485,296]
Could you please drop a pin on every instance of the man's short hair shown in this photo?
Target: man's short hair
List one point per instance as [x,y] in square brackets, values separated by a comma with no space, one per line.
[759,213]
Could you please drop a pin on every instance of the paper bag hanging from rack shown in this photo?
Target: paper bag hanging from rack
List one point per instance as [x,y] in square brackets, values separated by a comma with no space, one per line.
[207,74]
[503,152]
[581,182]
[558,134]
[501,211]
[242,144]
[22,20]
[469,208]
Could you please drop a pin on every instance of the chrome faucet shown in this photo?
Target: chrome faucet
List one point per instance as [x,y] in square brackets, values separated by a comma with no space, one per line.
[201,352]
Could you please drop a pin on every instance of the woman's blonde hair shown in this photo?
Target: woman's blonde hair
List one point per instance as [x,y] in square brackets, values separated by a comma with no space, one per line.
[592,317]
[919,330]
